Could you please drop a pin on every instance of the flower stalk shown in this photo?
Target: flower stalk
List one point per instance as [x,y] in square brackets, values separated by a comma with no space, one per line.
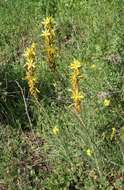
[76,95]
[49,41]
[30,56]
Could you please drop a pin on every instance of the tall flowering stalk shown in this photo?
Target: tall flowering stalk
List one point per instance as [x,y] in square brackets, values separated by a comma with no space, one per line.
[30,55]
[49,41]
[76,96]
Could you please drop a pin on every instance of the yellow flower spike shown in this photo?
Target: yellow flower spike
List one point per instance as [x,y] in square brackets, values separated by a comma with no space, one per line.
[48,22]
[55,130]
[49,41]
[113,133]
[89,152]
[77,100]
[74,79]
[30,55]
[106,102]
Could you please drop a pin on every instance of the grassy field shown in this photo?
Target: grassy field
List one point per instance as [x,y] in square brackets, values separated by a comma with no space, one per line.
[70,134]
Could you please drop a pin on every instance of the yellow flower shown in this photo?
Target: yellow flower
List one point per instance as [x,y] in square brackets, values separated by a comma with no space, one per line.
[77,97]
[51,51]
[113,133]
[75,65]
[89,152]
[106,102]
[55,130]
[93,66]
[45,34]
[48,22]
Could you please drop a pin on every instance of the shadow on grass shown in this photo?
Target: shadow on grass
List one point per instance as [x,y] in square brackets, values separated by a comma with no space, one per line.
[13,103]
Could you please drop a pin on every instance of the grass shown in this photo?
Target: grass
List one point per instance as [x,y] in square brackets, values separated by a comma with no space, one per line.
[45,144]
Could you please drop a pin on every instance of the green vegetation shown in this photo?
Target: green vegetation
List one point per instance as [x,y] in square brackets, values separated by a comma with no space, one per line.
[45,144]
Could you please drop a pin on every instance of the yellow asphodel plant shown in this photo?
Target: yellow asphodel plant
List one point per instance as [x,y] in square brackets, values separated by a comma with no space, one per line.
[76,95]
[49,41]
[30,55]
